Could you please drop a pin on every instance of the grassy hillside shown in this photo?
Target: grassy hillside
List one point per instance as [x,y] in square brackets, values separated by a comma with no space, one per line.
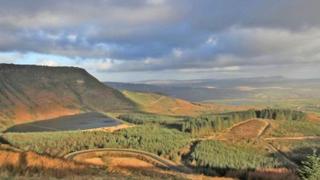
[37,92]
[166,105]
[160,104]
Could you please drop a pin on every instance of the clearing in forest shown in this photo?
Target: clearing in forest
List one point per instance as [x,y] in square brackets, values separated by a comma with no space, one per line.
[248,130]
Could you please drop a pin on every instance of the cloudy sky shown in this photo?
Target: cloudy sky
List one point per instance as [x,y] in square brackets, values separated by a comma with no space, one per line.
[132,40]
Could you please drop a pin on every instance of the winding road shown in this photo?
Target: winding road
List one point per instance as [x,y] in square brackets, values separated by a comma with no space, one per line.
[150,156]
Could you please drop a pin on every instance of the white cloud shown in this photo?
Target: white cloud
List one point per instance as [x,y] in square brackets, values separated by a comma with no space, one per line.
[155,2]
[97,64]
[7,57]
[177,52]
[212,41]
[215,69]
[48,63]
[72,37]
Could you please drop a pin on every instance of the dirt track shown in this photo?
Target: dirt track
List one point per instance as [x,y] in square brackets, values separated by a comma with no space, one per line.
[293,138]
[175,169]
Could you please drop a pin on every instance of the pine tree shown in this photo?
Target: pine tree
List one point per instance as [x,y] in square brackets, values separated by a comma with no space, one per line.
[310,169]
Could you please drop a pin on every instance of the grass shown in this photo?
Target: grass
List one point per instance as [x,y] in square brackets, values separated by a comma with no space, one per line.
[155,139]
[295,128]
[27,163]
[220,155]
[307,105]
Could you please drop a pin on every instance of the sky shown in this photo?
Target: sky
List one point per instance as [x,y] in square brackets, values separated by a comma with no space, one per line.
[137,40]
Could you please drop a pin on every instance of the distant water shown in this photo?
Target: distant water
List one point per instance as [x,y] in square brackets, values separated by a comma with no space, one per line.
[67,123]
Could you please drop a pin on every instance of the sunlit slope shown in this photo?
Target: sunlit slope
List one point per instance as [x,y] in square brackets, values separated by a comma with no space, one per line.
[30,93]
[161,104]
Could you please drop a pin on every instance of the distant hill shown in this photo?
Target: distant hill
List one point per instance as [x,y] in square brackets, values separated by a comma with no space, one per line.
[29,93]
[259,88]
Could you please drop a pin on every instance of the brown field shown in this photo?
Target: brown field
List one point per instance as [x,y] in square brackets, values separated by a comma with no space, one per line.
[273,174]
[124,165]
[29,163]
[9,159]
[314,117]
[247,130]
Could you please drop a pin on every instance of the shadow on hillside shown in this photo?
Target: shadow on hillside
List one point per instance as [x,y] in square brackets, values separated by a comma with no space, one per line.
[298,155]
[3,141]
[176,126]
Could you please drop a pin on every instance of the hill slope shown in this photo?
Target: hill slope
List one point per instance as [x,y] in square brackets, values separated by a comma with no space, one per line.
[166,105]
[29,93]
[159,104]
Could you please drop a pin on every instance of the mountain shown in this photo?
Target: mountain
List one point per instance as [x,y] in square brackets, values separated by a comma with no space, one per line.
[29,93]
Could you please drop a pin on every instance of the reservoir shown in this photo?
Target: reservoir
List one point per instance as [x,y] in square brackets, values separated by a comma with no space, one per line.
[84,121]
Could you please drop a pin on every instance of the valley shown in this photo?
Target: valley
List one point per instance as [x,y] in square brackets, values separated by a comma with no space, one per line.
[159,90]
[145,135]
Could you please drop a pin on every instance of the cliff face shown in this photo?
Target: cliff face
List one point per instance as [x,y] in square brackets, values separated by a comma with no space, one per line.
[29,93]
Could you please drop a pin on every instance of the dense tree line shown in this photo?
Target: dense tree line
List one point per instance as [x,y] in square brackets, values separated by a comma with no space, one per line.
[281,114]
[154,139]
[143,118]
[211,156]
[218,122]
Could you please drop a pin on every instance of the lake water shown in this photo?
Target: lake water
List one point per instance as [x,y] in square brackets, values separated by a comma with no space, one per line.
[67,123]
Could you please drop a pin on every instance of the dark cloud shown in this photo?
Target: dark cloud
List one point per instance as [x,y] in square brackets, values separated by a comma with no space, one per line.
[144,35]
